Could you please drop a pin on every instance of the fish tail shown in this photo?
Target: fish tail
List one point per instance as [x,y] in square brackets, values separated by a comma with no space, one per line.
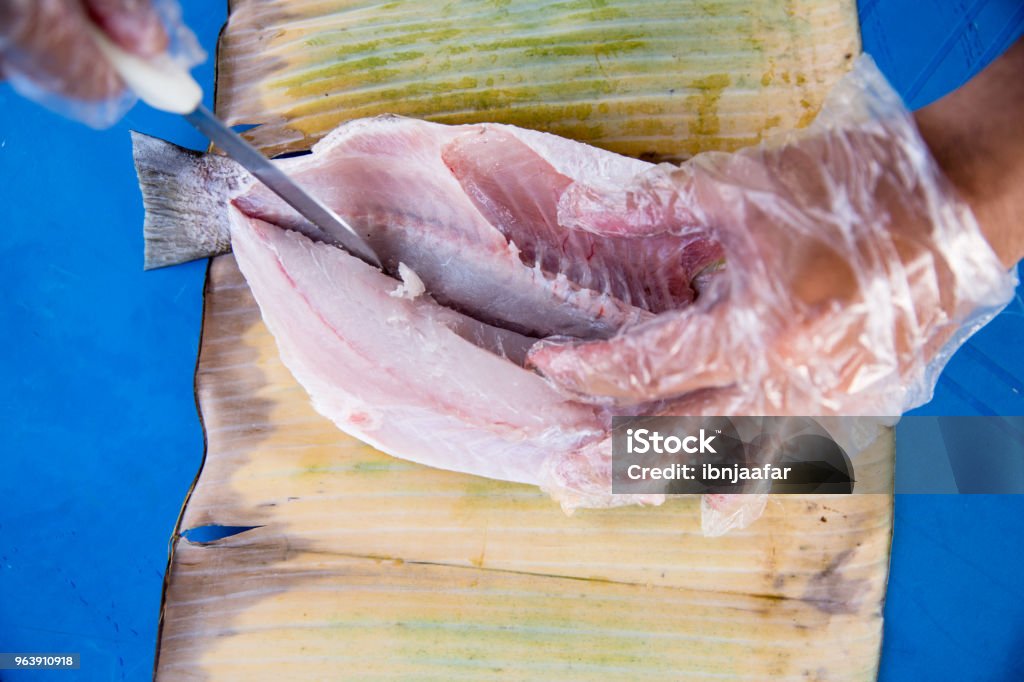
[186,195]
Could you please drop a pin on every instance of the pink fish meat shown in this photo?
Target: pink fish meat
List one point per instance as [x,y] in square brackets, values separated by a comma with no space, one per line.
[425,361]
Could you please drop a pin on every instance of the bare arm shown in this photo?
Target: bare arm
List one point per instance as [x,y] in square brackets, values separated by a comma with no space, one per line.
[977,135]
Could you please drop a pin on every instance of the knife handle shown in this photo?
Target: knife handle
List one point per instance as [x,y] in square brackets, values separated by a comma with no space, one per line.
[160,82]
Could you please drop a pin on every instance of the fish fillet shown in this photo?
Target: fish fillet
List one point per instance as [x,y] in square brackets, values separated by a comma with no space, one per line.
[482,258]
[397,372]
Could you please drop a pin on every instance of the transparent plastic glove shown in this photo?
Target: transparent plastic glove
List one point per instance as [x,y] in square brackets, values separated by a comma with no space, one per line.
[49,53]
[851,273]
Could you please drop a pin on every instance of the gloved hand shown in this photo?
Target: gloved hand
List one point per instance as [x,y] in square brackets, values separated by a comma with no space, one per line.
[48,52]
[851,273]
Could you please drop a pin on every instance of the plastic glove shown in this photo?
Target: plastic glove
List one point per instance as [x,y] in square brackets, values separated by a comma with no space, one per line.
[48,52]
[851,273]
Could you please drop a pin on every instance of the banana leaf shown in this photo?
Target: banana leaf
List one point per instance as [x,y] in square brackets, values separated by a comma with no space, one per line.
[658,80]
[359,566]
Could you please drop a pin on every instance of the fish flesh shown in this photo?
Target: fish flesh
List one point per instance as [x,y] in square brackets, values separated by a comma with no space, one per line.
[427,359]
[402,372]
[484,239]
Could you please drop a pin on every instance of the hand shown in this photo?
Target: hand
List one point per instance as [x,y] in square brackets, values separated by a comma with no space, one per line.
[849,266]
[48,42]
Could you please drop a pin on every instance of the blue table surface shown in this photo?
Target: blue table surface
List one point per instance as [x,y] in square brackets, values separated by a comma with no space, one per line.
[100,438]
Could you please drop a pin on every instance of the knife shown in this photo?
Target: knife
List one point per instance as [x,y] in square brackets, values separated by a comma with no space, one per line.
[163,84]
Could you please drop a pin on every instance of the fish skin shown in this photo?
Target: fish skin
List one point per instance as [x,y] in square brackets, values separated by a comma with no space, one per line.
[186,198]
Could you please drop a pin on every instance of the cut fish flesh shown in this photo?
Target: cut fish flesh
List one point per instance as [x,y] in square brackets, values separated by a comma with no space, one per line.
[400,373]
[483,240]
[483,258]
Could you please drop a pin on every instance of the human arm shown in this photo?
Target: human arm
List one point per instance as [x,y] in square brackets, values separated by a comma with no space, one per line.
[977,137]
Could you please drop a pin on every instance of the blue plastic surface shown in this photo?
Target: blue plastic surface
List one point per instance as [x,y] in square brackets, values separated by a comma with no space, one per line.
[955,604]
[100,438]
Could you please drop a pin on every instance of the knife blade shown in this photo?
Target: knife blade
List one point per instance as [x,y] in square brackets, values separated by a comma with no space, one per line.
[333,227]
[165,85]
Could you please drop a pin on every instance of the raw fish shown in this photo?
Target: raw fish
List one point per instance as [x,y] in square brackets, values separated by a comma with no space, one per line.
[413,188]
[425,360]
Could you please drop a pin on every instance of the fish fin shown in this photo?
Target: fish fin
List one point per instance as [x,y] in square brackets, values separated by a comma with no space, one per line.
[186,195]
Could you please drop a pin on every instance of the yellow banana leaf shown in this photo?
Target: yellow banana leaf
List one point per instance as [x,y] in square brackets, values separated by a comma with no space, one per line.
[364,567]
[360,566]
[646,79]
